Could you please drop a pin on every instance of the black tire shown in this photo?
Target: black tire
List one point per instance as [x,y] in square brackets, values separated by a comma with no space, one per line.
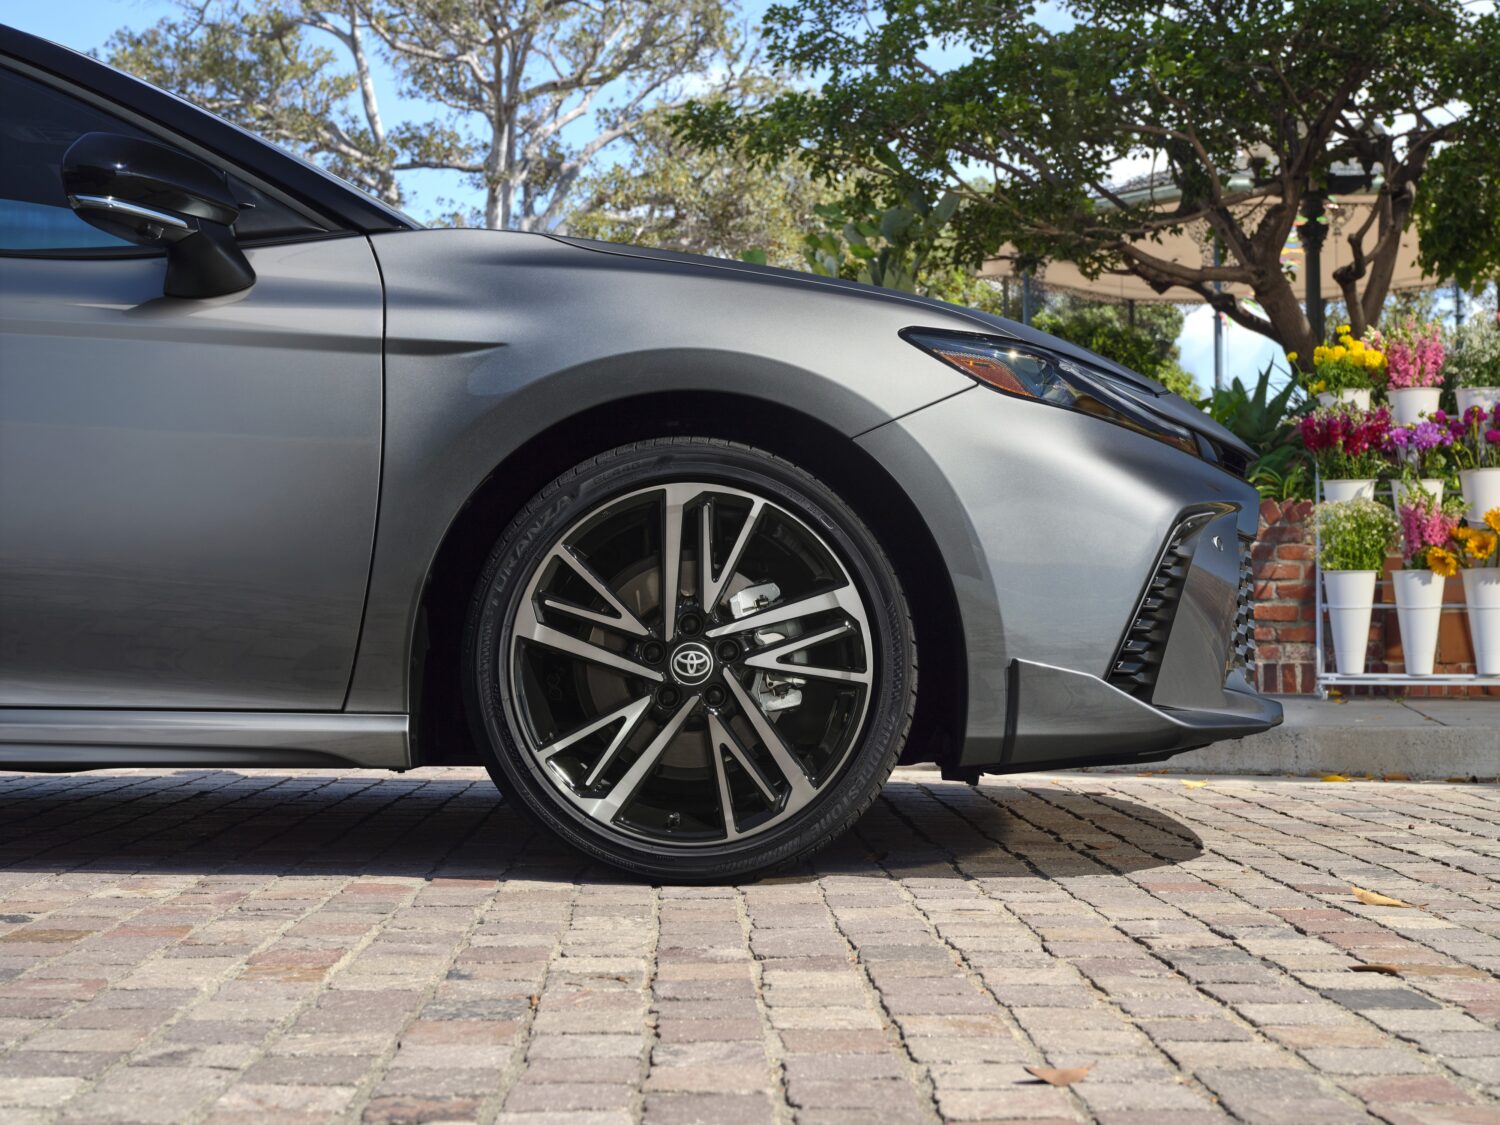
[512,569]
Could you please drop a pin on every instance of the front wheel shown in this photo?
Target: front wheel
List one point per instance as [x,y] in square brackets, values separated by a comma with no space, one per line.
[691,660]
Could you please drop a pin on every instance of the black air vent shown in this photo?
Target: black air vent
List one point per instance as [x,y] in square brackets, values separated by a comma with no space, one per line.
[1242,643]
[1139,659]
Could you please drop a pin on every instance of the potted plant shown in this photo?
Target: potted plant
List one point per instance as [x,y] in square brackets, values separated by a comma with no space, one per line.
[1474,365]
[1476,550]
[1413,369]
[1347,445]
[1476,449]
[1344,371]
[1354,537]
[1421,452]
[1426,531]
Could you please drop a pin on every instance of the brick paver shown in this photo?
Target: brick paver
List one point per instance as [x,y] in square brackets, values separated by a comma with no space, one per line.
[311,946]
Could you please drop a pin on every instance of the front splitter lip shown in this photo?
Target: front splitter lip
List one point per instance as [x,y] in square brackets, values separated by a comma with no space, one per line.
[1057,716]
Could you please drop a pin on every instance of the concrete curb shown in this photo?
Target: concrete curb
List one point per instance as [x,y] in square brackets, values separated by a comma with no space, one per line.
[1422,739]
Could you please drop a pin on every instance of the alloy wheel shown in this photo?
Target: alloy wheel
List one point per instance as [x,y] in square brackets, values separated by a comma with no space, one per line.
[690,664]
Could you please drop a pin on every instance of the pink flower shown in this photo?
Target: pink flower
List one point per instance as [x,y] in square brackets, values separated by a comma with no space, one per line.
[1414,356]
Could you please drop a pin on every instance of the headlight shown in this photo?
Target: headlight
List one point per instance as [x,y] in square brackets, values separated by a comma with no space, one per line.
[1025,371]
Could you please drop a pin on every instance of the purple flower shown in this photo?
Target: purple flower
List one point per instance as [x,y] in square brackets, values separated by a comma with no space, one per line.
[1492,436]
[1440,417]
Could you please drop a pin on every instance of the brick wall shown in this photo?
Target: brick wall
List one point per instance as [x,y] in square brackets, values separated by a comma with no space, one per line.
[1286,657]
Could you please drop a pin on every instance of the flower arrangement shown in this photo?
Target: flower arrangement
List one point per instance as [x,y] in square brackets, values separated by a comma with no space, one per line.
[1414,355]
[1474,360]
[1476,437]
[1346,443]
[1420,448]
[1427,531]
[1477,548]
[1346,364]
[1355,534]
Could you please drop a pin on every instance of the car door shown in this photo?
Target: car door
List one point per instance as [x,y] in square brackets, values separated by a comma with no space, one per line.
[188,488]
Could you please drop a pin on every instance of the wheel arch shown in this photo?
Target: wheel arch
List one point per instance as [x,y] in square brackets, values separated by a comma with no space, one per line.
[440,731]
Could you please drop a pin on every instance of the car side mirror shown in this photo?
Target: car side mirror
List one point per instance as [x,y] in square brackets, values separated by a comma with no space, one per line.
[152,195]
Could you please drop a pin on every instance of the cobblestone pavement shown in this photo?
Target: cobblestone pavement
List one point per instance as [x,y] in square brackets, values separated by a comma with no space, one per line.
[214,946]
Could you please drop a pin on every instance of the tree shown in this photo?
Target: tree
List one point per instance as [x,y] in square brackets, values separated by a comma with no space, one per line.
[671,194]
[528,92]
[1250,109]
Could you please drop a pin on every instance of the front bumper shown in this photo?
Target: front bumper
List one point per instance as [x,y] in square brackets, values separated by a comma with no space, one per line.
[1057,531]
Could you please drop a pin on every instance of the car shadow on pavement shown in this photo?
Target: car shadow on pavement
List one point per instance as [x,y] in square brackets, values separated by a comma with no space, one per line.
[454,825]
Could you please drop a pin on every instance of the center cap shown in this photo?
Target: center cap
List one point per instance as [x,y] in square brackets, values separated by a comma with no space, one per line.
[691,664]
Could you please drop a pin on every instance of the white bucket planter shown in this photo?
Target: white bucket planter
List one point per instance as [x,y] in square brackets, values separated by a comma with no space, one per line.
[1359,398]
[1350,596]
[1340,490]
[1481,491]
[1408,404]
[1482,592]
[1419,606]
[1485,397]
[1433,486]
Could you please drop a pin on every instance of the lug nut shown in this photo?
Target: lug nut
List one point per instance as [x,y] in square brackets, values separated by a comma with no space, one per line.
[653,651]
[715,695]
[669,697]
[689,623]
[729,650]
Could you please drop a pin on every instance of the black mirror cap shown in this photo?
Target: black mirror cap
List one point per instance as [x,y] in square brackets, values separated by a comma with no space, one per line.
[148,174]
[150,194]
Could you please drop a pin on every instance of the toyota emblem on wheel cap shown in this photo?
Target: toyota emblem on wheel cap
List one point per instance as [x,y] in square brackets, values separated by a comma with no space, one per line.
[691,664]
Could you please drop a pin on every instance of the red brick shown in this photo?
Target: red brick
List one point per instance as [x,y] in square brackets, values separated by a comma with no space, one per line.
[1269,612]
[1294,551]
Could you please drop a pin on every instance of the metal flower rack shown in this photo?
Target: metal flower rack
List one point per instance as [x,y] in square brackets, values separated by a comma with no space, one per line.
[1328,677]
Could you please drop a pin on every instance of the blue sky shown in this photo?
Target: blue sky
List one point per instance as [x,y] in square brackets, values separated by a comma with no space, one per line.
[86,25]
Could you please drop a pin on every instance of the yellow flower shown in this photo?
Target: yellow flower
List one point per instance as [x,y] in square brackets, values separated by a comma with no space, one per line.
[1344,330]
[1339,352]
[1345,341]
[1320,386]
[1442,563]
[1464,534]
[1482,544]
[1492,518]
[1358,347]
[1291,357]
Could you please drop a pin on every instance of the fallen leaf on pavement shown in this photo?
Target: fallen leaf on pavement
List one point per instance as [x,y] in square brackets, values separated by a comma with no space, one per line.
[1397,777]
[1444,971]
[1195,784]
[1388,970]
[1334,777]
[1064,1076]
[1373,898]
[1458,780]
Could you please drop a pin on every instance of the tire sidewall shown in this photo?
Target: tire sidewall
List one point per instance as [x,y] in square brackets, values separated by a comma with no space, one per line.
[525,543]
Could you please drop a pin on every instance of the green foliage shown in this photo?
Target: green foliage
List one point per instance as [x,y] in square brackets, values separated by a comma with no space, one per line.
[672,195]
[1148,346]
[1267,423]
[1474,358]
[891,247]
[1355,534]
[1244,106]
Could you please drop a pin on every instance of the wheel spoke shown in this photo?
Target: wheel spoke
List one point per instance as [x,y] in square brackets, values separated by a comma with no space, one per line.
[843,598]
[721,737]
[631,714]
[675,498]
[791,769]
[774,659]
[726,801]
[623,619]
[549,637]
[711,588]
[608,807]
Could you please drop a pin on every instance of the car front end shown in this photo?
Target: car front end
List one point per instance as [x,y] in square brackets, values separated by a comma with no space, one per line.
[1098,532]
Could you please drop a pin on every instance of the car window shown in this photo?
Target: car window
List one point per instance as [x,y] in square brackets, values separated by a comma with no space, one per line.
[36,128]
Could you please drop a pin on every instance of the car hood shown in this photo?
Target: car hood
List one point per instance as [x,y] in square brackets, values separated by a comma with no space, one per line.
[1149,393]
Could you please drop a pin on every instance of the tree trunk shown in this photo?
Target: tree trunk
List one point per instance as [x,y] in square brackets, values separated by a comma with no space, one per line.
[1289,324]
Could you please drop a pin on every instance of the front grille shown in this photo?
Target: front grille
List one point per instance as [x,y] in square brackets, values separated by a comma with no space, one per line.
[1139,659]
[1241,653]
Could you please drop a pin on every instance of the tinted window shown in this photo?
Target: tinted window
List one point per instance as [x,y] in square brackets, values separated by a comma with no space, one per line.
[36,128]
